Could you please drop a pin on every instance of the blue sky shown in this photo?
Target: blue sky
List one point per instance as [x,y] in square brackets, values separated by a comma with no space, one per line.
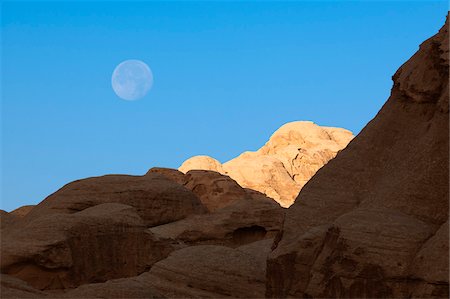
[226,76]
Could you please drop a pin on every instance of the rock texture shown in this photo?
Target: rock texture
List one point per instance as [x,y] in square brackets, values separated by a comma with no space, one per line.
[100,237]
[242,222]
[210,271]
[157,199]
[284,164]
[22,211]
[374,222]
[12,287]
[201,163]
[103,242]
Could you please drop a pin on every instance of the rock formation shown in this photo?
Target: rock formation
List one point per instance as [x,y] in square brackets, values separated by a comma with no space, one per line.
[102,242]
[371,223]
[210,271]
[284,164]
[157,199]
[99,237]
[374,222]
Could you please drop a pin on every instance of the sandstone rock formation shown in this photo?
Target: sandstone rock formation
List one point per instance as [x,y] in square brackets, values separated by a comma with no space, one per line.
[242,222]
[214,190]
[210,271]
[201,163]
[99,237]
[373,223]
[157,199]
[6,219]
[102,242]
[284,164]
[12,287]
[22,211]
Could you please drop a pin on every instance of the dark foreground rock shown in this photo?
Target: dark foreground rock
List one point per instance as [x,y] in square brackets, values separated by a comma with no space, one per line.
[373,223]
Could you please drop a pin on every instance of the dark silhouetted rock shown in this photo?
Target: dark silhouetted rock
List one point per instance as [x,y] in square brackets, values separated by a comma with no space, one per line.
[374,221]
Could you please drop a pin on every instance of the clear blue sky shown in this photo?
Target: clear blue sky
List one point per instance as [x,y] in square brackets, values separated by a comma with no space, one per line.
[226,75]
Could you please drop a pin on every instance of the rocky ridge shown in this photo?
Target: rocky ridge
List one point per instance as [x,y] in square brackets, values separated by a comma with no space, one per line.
[284,164]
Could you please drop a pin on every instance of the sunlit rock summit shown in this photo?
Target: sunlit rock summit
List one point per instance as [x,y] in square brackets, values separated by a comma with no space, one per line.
[284,164]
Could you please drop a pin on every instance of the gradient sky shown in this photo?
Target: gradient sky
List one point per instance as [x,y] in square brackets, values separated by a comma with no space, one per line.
[226,76]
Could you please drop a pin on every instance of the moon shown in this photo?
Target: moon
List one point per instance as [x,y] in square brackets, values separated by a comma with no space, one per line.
[132,80]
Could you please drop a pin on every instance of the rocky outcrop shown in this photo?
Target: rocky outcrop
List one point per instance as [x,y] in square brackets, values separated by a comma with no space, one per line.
[284,164]
[236,215]
[210,271]
[7,219]
[169,173]
[374,222]
[243,222]
[214,190]
[157,199]
[201,163]
[22,211]
[84,241]
[102,242]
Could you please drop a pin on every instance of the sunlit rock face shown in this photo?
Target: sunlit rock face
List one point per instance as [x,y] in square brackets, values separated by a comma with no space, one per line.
[284,164]
[373,223]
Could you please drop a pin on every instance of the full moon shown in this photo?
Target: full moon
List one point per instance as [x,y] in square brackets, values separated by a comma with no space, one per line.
[132,80]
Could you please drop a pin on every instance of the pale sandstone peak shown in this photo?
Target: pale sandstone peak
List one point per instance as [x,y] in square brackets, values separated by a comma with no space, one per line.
[284,164]
[201,163]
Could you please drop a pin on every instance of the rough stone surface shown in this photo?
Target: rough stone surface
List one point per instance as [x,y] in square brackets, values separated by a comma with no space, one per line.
[201,163]
[211,271]
[59,251]
[171,174]
[374,222]
[243,222]
[7,219]
[214,190]
[12,287]
[157,199]
[284,164]
[22,211]
[130,287]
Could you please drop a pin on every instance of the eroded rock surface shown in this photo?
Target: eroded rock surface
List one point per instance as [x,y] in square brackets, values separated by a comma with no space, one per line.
[284,164]
[211,271]
[59,251]
[374,222]
[157,199]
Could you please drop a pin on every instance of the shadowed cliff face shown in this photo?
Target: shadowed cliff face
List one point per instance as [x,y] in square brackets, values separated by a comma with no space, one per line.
[374,221]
